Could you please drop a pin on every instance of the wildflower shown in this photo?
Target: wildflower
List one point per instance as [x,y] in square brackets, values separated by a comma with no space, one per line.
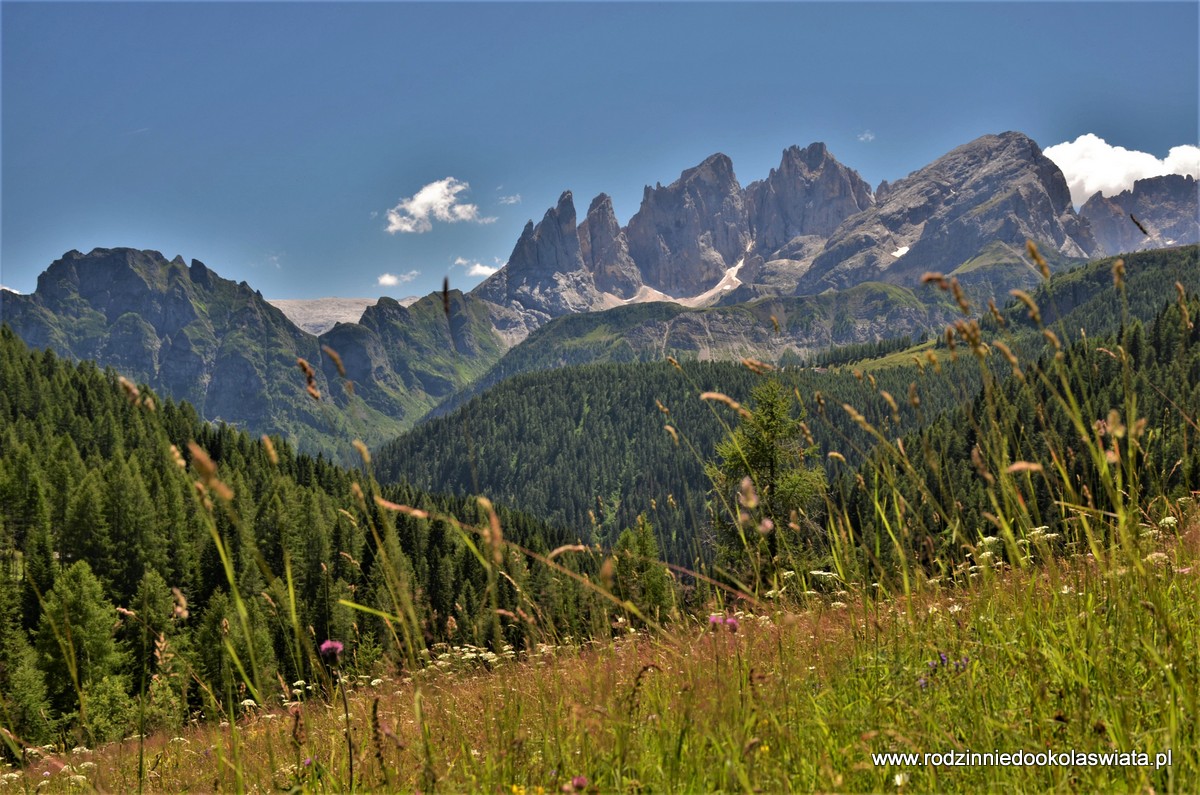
[923,682]
[308,761]
[732,623]
[1168,522]
[900,779]
[715,620]
[331,650]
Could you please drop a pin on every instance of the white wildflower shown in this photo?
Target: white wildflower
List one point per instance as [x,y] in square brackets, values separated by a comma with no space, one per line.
[1157,559]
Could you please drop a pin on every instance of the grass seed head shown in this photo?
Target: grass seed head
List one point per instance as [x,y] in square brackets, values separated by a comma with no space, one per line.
[337,360]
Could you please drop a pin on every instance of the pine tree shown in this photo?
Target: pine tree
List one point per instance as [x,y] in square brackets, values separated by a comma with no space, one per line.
[765,496]
[74,640]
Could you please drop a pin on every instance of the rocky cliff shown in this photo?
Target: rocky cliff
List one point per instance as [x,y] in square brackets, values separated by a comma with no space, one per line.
[605,250]
[996,189]
[1166,207]
[687,234]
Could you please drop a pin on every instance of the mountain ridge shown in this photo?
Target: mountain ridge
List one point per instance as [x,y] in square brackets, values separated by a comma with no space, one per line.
[789,249]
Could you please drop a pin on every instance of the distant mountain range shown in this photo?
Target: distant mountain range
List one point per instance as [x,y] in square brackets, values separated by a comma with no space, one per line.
[806,258]
[318,315]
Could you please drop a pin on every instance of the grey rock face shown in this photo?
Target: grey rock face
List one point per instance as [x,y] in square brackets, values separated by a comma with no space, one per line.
[545,273]
[605,250]
[1166,206]
[996,189]
[811,193]
[686,235]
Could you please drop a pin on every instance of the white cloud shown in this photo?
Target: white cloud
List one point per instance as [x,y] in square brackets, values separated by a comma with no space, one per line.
[392,279]
[11,290]
[476,268]
[1092,164]
[514,199]
[866,136]
[437,201]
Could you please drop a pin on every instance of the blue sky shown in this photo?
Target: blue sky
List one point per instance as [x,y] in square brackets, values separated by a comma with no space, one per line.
[270,140]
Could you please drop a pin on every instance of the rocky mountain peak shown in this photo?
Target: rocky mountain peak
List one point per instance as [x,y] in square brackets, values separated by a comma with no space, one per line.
[997,190]
[687,234]
[605,250]
[811,193]
[545,273]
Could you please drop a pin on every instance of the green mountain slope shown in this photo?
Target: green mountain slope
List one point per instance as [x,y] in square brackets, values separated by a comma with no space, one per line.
[219,345]
[776,330]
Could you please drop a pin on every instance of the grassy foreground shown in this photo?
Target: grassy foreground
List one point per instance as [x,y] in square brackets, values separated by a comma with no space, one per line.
[1077,655]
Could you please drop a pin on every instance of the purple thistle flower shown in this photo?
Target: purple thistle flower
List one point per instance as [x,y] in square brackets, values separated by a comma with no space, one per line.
[944,658]
[579,783]
[331,650]
[308,761]
[715,619]
[732,623]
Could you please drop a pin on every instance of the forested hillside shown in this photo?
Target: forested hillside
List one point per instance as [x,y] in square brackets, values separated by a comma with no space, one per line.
[209,550]
[586,446]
